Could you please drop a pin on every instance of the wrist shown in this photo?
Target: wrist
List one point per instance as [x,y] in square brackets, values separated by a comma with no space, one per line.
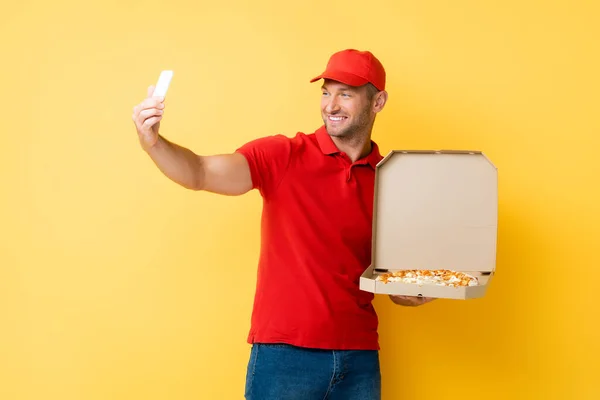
[148,146]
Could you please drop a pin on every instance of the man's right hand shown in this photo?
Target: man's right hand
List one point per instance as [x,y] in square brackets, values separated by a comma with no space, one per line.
[147,116]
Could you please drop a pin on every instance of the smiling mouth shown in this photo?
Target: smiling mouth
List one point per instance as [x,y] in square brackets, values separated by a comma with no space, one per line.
[335,118]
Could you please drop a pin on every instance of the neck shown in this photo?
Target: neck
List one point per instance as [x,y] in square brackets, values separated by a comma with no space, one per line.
[356,147]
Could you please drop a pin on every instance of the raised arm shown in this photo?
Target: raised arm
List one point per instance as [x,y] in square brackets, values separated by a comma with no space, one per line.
[227,174]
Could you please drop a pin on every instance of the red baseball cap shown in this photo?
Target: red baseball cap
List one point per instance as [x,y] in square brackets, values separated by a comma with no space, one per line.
[354,68]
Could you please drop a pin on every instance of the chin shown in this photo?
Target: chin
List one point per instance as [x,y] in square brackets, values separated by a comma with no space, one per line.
[335,132]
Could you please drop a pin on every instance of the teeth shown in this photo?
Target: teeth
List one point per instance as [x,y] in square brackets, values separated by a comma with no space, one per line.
[336,118]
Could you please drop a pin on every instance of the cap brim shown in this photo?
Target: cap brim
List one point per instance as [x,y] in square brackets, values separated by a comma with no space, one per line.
[343,77]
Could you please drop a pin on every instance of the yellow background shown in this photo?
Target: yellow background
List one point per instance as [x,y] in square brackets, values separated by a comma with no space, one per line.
[116,283]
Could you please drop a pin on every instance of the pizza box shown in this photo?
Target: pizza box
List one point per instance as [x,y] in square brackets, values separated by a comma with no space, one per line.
[434,210]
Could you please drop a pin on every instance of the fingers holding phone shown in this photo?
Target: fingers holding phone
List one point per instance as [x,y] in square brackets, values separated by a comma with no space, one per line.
[148,114]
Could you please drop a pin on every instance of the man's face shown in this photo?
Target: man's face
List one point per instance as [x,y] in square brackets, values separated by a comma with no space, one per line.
[346,110]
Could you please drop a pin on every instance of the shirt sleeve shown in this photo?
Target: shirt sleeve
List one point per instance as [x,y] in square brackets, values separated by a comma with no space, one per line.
[268,158]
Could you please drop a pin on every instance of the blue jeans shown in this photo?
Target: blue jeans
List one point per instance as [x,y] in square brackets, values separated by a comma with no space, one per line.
[284,372]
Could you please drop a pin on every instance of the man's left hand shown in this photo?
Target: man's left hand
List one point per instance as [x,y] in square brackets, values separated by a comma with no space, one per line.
[410,301]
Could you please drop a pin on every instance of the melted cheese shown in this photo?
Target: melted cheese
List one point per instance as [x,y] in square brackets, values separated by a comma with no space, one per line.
[441,277]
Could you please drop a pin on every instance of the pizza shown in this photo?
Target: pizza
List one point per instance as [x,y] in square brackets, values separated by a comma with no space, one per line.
[439,277]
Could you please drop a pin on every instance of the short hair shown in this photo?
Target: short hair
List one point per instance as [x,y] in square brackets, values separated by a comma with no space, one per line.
[371,90]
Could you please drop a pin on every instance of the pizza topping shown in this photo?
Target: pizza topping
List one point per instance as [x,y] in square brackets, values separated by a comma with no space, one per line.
[440,277]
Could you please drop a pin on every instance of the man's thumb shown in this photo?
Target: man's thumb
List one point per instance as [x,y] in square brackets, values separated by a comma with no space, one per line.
[150,90]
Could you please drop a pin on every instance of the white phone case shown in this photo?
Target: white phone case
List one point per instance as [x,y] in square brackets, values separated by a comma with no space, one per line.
[163,83]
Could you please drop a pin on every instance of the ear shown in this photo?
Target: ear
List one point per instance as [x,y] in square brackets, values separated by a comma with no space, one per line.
[380,100]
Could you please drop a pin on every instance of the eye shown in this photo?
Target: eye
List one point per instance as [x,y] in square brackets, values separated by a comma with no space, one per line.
[346,94]
[324,93]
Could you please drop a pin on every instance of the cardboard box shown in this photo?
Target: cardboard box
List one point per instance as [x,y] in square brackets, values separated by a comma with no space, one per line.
[434,210]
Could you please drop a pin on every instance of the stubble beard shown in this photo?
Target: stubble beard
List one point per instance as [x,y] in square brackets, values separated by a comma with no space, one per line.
[352,132]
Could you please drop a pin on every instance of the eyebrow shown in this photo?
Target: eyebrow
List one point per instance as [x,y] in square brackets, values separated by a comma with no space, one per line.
[349,88]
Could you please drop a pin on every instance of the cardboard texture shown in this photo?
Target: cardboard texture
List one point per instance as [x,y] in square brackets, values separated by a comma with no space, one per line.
[434,210]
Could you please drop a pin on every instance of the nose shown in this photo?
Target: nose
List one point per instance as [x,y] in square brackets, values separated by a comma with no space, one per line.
[332,105]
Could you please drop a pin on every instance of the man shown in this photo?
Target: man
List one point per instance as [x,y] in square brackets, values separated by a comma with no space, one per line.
[313,331]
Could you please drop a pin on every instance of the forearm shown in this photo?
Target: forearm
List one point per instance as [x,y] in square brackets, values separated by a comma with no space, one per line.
[179,164]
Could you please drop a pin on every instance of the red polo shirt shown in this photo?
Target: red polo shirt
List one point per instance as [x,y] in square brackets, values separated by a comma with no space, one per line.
[316,242]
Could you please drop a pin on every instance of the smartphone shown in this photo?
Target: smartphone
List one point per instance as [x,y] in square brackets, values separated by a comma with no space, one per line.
[162,85]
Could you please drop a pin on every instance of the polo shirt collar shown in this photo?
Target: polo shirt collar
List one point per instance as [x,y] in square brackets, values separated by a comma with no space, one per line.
[328,147]
[325,142]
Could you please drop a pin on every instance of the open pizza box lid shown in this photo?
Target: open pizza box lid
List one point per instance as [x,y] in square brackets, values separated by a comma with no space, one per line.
[434,210]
